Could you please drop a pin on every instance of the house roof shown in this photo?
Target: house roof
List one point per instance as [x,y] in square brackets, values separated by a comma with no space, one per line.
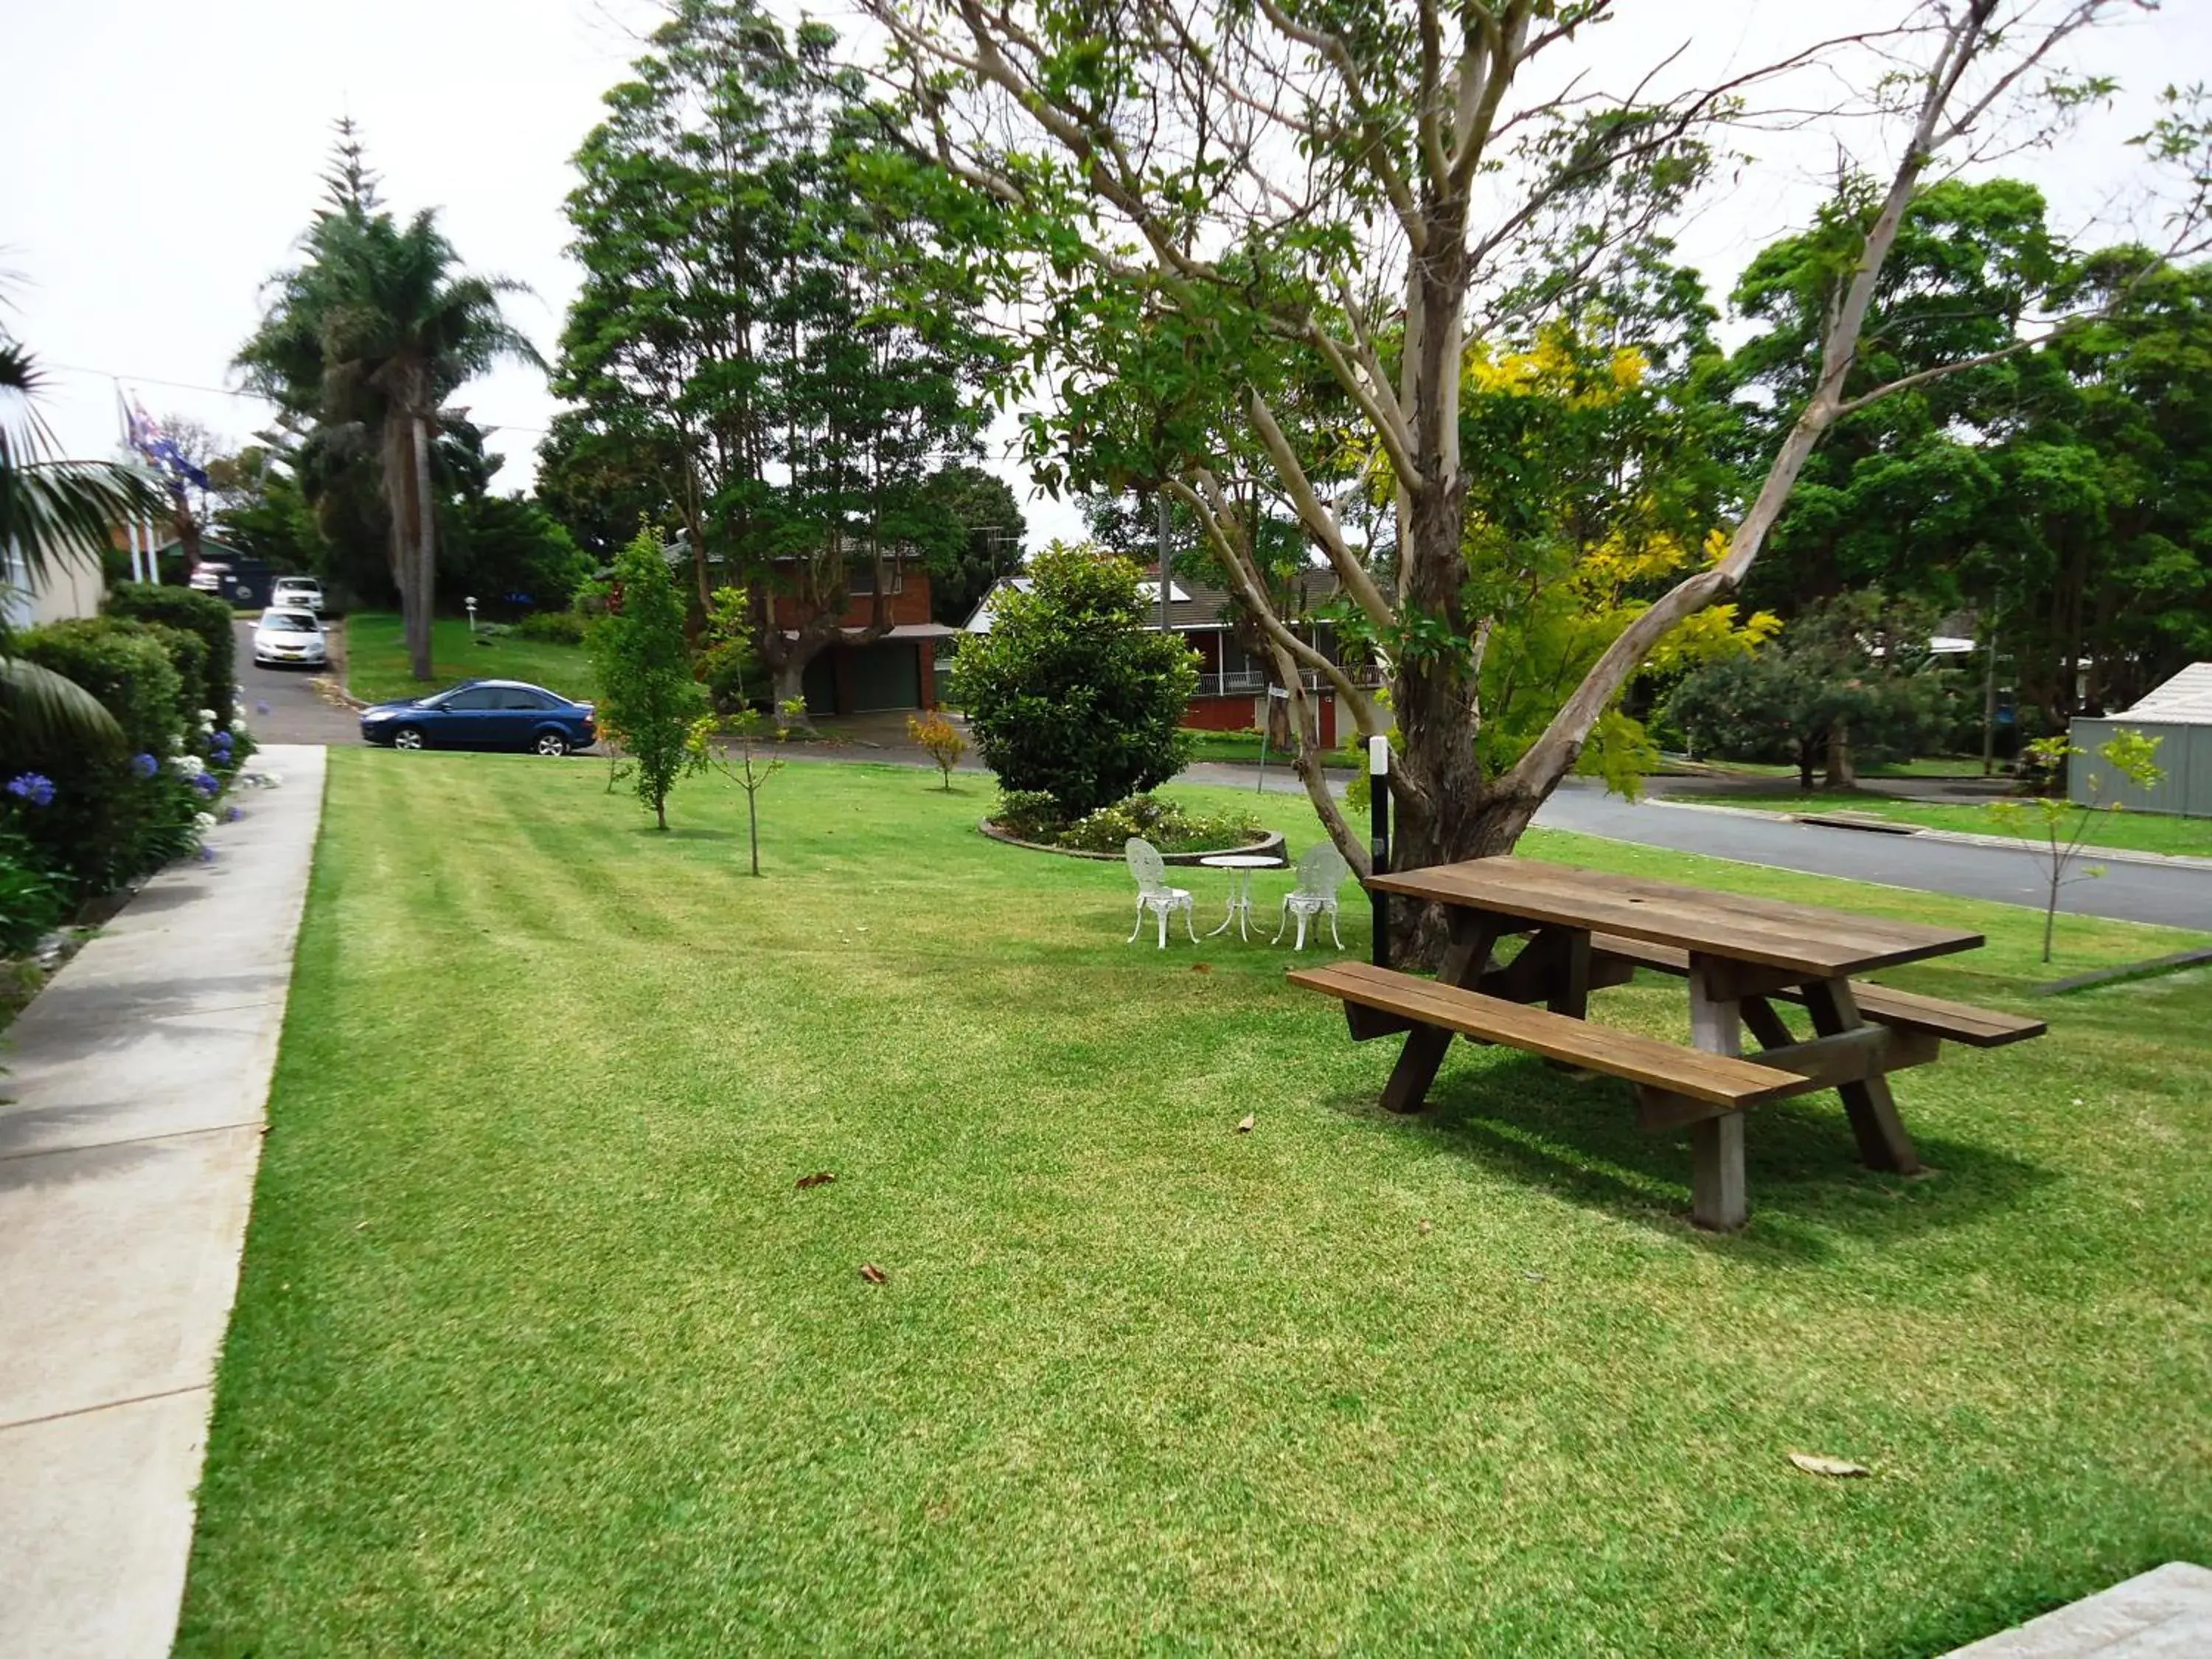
[902,631]
[2185,700]
[1192,608]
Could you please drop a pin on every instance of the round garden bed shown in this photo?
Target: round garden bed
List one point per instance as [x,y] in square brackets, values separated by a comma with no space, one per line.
[1270,844]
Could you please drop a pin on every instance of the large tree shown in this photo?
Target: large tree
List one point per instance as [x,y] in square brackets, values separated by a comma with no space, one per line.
[738,340]
[370,335]
[1320,209]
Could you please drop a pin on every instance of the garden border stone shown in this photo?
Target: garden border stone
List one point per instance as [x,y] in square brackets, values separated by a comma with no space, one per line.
[1270,844]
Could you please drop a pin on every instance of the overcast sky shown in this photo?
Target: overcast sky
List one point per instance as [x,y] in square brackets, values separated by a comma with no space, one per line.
[163,159]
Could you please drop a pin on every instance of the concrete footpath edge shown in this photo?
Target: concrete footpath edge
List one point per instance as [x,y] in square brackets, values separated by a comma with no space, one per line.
[130,1127]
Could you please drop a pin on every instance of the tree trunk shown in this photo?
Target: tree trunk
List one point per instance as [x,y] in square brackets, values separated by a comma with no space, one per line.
[1842,773]
[426,552]
[1805,763]
[791,687]
[399,492]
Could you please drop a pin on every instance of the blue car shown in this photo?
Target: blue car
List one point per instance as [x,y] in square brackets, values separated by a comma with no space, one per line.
[484,715]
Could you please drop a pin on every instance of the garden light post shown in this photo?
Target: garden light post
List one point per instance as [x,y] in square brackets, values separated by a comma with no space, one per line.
[471,603]
[1378,841]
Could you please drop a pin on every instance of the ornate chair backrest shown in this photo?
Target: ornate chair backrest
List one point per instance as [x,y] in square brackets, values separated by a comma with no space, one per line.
[1146,864]
[1321,870]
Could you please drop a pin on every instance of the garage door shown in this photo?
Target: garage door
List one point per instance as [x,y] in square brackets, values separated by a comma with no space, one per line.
[886,676]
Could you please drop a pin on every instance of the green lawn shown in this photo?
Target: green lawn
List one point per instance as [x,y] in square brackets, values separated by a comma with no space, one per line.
[377,669]
[1243,747]
[2140,832]
[538,1348]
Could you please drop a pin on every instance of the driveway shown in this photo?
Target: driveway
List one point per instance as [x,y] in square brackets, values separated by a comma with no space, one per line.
[282,705]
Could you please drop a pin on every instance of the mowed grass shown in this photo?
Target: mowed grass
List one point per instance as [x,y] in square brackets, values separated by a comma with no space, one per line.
[540,1349]
[377,669]
[2139,832]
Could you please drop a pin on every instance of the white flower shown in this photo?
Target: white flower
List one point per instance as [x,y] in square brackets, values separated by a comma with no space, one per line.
[176,745]
[207,717]
[190,766]
[238,723]
[206,820]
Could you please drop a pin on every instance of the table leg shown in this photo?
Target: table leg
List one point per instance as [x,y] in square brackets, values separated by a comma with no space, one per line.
[1883,1144]
[1717,1198]
[1472,934]
[1230,917]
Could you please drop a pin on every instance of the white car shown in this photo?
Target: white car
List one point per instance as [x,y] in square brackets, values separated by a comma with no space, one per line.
[297,594]
[289,635]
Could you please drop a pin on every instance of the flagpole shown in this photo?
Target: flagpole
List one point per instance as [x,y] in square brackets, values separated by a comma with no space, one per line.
[138,562]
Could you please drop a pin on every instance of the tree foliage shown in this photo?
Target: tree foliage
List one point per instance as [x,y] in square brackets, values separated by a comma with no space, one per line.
[746,364]
[362,343]
[1069,693]
[648,692]
[1851,680]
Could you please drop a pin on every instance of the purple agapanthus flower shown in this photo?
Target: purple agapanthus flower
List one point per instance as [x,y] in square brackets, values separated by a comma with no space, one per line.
[35,788]
[207,854]
[145,765]
[232,815]
[260,708]
[208,784]
[220,742]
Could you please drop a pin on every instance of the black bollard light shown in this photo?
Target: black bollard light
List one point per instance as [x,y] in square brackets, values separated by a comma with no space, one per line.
[1378,842]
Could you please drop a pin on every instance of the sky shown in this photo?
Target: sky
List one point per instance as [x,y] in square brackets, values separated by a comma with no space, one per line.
[164,159]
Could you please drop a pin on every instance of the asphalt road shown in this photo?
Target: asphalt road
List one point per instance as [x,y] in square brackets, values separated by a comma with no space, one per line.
[282,706]
[2173,895]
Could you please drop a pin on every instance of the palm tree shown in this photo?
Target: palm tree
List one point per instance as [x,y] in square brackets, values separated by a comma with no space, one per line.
[51,511]
[369,337]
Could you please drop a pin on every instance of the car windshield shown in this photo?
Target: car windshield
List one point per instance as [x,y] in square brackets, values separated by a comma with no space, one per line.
[288,622]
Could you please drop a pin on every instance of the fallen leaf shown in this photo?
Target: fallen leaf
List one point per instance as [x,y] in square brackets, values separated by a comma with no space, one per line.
[1245,1128]
[874,1275]
[1201,967]
[1813,1463]
[820,1178]
[1428,1226]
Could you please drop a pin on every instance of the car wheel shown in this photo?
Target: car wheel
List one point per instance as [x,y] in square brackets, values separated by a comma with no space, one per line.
[552,743]
[408,736]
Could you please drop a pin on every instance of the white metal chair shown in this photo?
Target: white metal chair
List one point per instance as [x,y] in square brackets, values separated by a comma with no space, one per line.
[1153,893]
[1321,870]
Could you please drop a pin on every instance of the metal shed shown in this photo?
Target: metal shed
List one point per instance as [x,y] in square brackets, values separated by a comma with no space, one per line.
[2179,714]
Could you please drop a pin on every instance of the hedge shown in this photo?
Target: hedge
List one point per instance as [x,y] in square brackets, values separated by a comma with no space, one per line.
[200,614]
[115,814]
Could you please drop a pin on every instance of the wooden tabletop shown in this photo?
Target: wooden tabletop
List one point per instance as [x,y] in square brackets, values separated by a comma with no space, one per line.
[1805,938]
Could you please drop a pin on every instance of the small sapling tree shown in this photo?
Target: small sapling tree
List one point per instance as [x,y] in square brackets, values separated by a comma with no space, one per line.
[941,740]
[647,690]
[2052,828]
[753,765]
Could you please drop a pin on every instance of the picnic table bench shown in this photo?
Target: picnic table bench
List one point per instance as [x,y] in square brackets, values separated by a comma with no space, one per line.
[1585,930]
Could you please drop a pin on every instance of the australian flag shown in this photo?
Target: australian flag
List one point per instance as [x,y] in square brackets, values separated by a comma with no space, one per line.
[159,447]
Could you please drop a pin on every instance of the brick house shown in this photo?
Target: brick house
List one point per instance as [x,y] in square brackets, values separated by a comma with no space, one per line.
[1232,683]
[896,672]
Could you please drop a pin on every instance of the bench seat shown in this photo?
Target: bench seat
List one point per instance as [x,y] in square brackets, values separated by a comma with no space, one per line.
[1718,1082]
[1959,1021]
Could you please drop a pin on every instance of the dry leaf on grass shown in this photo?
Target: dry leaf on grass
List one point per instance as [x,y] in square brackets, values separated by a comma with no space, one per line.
[819,1178]
[1813,1463]
[874,1275]
[1208,968]
[1245,1128]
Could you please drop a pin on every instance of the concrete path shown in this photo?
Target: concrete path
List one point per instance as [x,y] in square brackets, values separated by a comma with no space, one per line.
[130,1126]
[2164,1613]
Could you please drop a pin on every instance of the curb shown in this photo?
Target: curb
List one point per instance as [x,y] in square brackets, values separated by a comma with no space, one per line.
[1958,837]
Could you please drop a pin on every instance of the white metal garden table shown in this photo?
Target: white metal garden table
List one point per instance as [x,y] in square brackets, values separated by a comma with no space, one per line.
[1240,866]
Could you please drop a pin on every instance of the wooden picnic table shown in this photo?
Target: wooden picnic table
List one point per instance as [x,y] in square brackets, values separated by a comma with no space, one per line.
[1740,954]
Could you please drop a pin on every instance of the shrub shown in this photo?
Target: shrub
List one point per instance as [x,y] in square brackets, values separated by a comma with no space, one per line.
[1028,815]
[32,898]
[1166,825]
[1069,693]
[553,627]
[200,614]
[941,740]
[113,816]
